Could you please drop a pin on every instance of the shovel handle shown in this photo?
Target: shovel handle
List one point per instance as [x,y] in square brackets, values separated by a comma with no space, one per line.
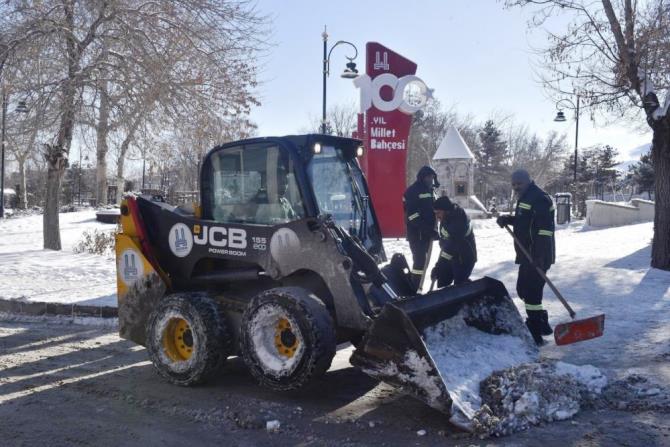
[542,274]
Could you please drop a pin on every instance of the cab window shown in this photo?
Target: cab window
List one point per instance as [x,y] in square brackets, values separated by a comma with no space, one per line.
[254,184]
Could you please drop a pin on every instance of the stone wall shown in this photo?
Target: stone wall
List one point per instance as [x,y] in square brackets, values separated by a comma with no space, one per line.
[646,208]
[610,214]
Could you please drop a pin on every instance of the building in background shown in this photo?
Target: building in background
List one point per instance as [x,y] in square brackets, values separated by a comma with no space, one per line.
[455,165]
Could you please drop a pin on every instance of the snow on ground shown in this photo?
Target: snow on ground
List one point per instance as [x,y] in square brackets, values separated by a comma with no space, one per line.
[30,273]
[597,271]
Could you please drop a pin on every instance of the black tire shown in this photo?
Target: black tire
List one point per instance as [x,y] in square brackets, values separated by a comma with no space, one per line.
[271,357]
[209,338]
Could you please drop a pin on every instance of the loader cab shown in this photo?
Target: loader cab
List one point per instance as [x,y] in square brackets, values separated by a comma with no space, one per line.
[274,181]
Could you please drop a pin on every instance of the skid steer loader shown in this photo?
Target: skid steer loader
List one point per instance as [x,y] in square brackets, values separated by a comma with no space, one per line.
[278,264]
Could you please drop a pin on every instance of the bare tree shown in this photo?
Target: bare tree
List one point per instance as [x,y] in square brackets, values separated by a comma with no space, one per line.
[543,158]
[202,53]
[179,152]
[429,127]
[613,55]
[341,120]
[24,130]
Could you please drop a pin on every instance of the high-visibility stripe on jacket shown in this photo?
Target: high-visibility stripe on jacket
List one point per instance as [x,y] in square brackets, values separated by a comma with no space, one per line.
[534,226]
[419,215]
[457,239]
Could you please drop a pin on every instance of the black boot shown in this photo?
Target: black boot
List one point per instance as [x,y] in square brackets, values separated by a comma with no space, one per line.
[416,282]
[546,329]
[534,325]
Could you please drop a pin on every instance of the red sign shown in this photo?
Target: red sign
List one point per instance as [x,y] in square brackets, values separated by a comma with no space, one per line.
[386,128]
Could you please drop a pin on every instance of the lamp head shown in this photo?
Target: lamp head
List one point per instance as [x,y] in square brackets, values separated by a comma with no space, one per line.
[560,117]
[21,107]
[350,72]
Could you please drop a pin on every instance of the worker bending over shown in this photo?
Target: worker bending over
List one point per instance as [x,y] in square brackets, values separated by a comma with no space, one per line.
[533,223]
[457,242]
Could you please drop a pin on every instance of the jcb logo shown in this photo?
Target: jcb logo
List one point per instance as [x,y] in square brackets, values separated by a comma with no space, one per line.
[222,237]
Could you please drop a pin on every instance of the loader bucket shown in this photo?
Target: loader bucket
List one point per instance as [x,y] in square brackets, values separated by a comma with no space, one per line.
[436,346]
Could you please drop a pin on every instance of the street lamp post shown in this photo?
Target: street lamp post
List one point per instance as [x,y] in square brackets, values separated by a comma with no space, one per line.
[79,179]
[21,108]
[349,73]
[2,168]
[560,117]
[144,166]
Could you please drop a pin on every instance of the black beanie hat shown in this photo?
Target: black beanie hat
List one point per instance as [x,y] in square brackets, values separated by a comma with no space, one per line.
[443,203]
[424,171]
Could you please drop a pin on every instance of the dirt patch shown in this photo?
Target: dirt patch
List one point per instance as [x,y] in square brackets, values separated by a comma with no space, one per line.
[106,393]
[635,394]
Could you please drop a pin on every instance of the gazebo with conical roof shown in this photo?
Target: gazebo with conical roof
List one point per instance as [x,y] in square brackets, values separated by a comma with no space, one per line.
[454,164]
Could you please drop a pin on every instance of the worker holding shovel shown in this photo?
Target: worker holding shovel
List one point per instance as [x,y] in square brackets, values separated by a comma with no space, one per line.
[533,223]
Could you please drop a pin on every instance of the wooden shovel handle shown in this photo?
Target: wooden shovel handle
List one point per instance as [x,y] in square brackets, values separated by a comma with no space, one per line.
[542,274]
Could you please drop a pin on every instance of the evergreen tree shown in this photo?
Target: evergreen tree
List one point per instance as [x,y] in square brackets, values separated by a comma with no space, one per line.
[490,155]
[641,174]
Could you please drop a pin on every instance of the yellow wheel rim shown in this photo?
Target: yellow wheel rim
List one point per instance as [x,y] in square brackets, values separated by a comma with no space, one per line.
[178,340]
[285,340]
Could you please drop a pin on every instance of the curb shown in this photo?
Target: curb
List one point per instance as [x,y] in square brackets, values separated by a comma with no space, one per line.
[39,309]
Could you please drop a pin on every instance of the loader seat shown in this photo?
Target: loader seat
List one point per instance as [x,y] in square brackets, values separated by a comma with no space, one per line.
[270,213]
[241,213]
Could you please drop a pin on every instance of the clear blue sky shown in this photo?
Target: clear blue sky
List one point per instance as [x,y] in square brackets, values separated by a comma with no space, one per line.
[475,54]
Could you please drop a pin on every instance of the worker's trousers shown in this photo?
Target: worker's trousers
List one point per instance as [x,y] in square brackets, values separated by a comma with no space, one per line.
[450,271]
[419,250]
[529,285]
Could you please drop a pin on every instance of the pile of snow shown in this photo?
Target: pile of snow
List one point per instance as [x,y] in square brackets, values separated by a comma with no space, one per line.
[516,398]
[465,355]
[492,372]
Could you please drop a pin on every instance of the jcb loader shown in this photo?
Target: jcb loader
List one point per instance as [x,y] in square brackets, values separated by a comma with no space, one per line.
[279,263]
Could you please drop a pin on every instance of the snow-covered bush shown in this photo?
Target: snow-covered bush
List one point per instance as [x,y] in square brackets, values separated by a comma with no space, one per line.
[96,242]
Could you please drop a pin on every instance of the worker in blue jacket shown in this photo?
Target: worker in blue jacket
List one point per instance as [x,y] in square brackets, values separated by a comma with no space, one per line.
[533,223]
[458,253]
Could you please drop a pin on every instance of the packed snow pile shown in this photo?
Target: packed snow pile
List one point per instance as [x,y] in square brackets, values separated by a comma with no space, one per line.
[516,398]
[465,355]
[494,377]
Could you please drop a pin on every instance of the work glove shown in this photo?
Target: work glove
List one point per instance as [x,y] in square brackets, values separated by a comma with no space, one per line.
[433,274]
[505,220]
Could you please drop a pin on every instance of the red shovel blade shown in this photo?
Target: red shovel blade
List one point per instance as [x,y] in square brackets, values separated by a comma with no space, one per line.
[579,330]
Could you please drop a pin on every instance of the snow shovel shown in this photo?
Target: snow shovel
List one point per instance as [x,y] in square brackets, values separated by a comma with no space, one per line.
[571,331]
